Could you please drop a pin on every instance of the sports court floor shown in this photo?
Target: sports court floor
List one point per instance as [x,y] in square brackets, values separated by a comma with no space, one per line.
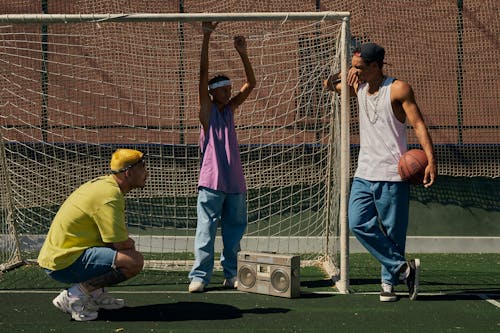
[459,293]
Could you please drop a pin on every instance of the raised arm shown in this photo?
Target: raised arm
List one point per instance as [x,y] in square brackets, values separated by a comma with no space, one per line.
[240,45]
[403,93]
[205,101]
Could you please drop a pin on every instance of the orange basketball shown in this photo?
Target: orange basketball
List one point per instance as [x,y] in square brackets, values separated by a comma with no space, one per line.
[411,166]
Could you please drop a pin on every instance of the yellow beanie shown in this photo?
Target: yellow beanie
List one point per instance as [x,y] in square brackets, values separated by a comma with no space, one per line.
[123,159]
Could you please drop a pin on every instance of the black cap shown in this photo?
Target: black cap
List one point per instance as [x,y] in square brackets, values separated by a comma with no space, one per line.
[370,52]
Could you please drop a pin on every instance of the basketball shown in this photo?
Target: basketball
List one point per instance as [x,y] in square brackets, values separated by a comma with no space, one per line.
[411,166]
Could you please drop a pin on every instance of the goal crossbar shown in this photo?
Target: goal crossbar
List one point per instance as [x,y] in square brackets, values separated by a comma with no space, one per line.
[165,17]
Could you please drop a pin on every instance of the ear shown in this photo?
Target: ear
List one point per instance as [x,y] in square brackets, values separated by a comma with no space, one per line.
[127,173]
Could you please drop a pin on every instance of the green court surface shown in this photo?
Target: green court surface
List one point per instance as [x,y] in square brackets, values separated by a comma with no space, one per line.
[459,293]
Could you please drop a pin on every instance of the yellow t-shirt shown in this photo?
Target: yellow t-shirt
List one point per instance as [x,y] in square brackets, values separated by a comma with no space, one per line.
[94,214]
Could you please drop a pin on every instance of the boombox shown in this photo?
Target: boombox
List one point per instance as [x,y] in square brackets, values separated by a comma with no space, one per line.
[269,273]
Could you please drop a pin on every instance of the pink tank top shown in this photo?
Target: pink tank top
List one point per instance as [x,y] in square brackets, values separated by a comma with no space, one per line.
[221,168]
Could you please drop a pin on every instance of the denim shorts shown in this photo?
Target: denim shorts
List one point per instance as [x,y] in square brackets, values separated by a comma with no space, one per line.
[93,262]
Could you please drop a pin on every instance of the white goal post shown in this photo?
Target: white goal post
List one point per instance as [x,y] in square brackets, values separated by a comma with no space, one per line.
[77,86]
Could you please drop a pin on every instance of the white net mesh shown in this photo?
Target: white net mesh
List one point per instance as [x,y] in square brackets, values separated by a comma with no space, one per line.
[75,92]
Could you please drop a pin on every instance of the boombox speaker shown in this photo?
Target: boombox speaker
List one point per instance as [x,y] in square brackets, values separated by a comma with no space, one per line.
[269,273]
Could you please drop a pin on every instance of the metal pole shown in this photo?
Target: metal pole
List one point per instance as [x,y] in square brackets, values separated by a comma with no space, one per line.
[164,17]
[343,283]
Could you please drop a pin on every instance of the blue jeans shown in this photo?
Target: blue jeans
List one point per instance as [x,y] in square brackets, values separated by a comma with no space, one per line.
[93,262]
[378,217]
[231,210]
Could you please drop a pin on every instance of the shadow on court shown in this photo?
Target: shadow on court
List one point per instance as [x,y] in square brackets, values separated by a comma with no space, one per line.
[317,283]
[466,295]
[182,311]
[363,281]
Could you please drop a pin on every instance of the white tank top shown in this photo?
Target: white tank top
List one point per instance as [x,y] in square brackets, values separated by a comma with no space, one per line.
[382,135]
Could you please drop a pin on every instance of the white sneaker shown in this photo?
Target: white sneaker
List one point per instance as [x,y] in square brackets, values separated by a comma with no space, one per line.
[81,308]
[231,283]
[387,293]
[196,286]
[108,302]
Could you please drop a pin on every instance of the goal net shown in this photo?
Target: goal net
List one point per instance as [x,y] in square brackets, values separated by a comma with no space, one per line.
[76,87]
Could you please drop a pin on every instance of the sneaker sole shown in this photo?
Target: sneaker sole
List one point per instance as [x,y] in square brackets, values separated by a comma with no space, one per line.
[84,318]
[388,298]
[194,291]
[415,287]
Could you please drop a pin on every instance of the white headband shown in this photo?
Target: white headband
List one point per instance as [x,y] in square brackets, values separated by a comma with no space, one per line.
[218,84]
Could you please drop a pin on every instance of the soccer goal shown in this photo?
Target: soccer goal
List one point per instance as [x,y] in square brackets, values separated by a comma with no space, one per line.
[77,86]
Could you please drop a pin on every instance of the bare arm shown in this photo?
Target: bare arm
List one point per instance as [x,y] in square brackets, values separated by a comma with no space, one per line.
[403,93]
[333,83]
[128,244]
[128,260]
[205,101]
[241,46]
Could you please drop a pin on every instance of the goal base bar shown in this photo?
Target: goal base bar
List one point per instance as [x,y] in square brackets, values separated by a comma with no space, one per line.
[298,245]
